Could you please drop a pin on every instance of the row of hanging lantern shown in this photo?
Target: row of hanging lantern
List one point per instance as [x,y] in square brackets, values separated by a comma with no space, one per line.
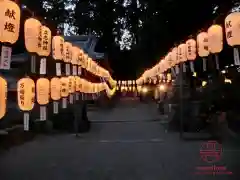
[39,44]
[206,43]
[127,85]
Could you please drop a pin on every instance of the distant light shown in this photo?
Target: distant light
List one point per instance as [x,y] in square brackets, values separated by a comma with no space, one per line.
[223,72]
[226,66]
[204,83]
[23,6]
[144,90]
[194,74]
[228,81]
[162,87]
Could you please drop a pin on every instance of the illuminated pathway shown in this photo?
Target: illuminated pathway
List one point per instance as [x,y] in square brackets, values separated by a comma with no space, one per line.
[126,143]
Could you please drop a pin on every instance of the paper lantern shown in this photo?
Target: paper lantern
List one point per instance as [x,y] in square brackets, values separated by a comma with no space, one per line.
[64,86]
[175,55]
[10,21]
[89,63]
[67,52]
[191,49]
[58,47]
[182,49]
[43,91]
[32,29]
[84,61]
[75,55]
[80,57]
[232,28]
[26,94]
[202,44]
[44,41]
[55,85]
[71,83]
[168,59]
[3,96]
[215,39]
[78,83]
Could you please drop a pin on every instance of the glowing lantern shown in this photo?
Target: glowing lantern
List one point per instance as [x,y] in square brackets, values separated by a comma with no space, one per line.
[175,55]
[31,32]
[55,85]
[80,57]
[10,21]
[26,94]
[44,45]
[84,60]
[58,47]
[169,77]
[169,60]
[67,52]
[232,28]
[64,86]
[71,83]
[75,55]
[43,88]
[215,38]
[78,83]
[182,52]
[3,96]
[202,44]
[191,49]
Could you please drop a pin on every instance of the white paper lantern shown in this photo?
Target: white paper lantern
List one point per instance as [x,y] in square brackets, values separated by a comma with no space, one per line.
[232,28]
[31,32]
[67,52]
[191,49]
[9,21]
[44,43]
[215,38]
[58,47]
[202,44]
[175,55]
[182,52]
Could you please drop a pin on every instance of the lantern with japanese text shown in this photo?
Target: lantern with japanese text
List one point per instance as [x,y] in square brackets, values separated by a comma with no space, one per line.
[67,52]
[55,91]
[74,61]
[58,47]
[31,33]
[215,40]
[26,94]
[182,55]
[232,29]
[43,87]
[10,21]
[43,93]
[175,59]
[72,88]
[191,52]
[202,44]
[44,43]
[26,98]
[64,90]
[3,96]
[203,49]
[55,85]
